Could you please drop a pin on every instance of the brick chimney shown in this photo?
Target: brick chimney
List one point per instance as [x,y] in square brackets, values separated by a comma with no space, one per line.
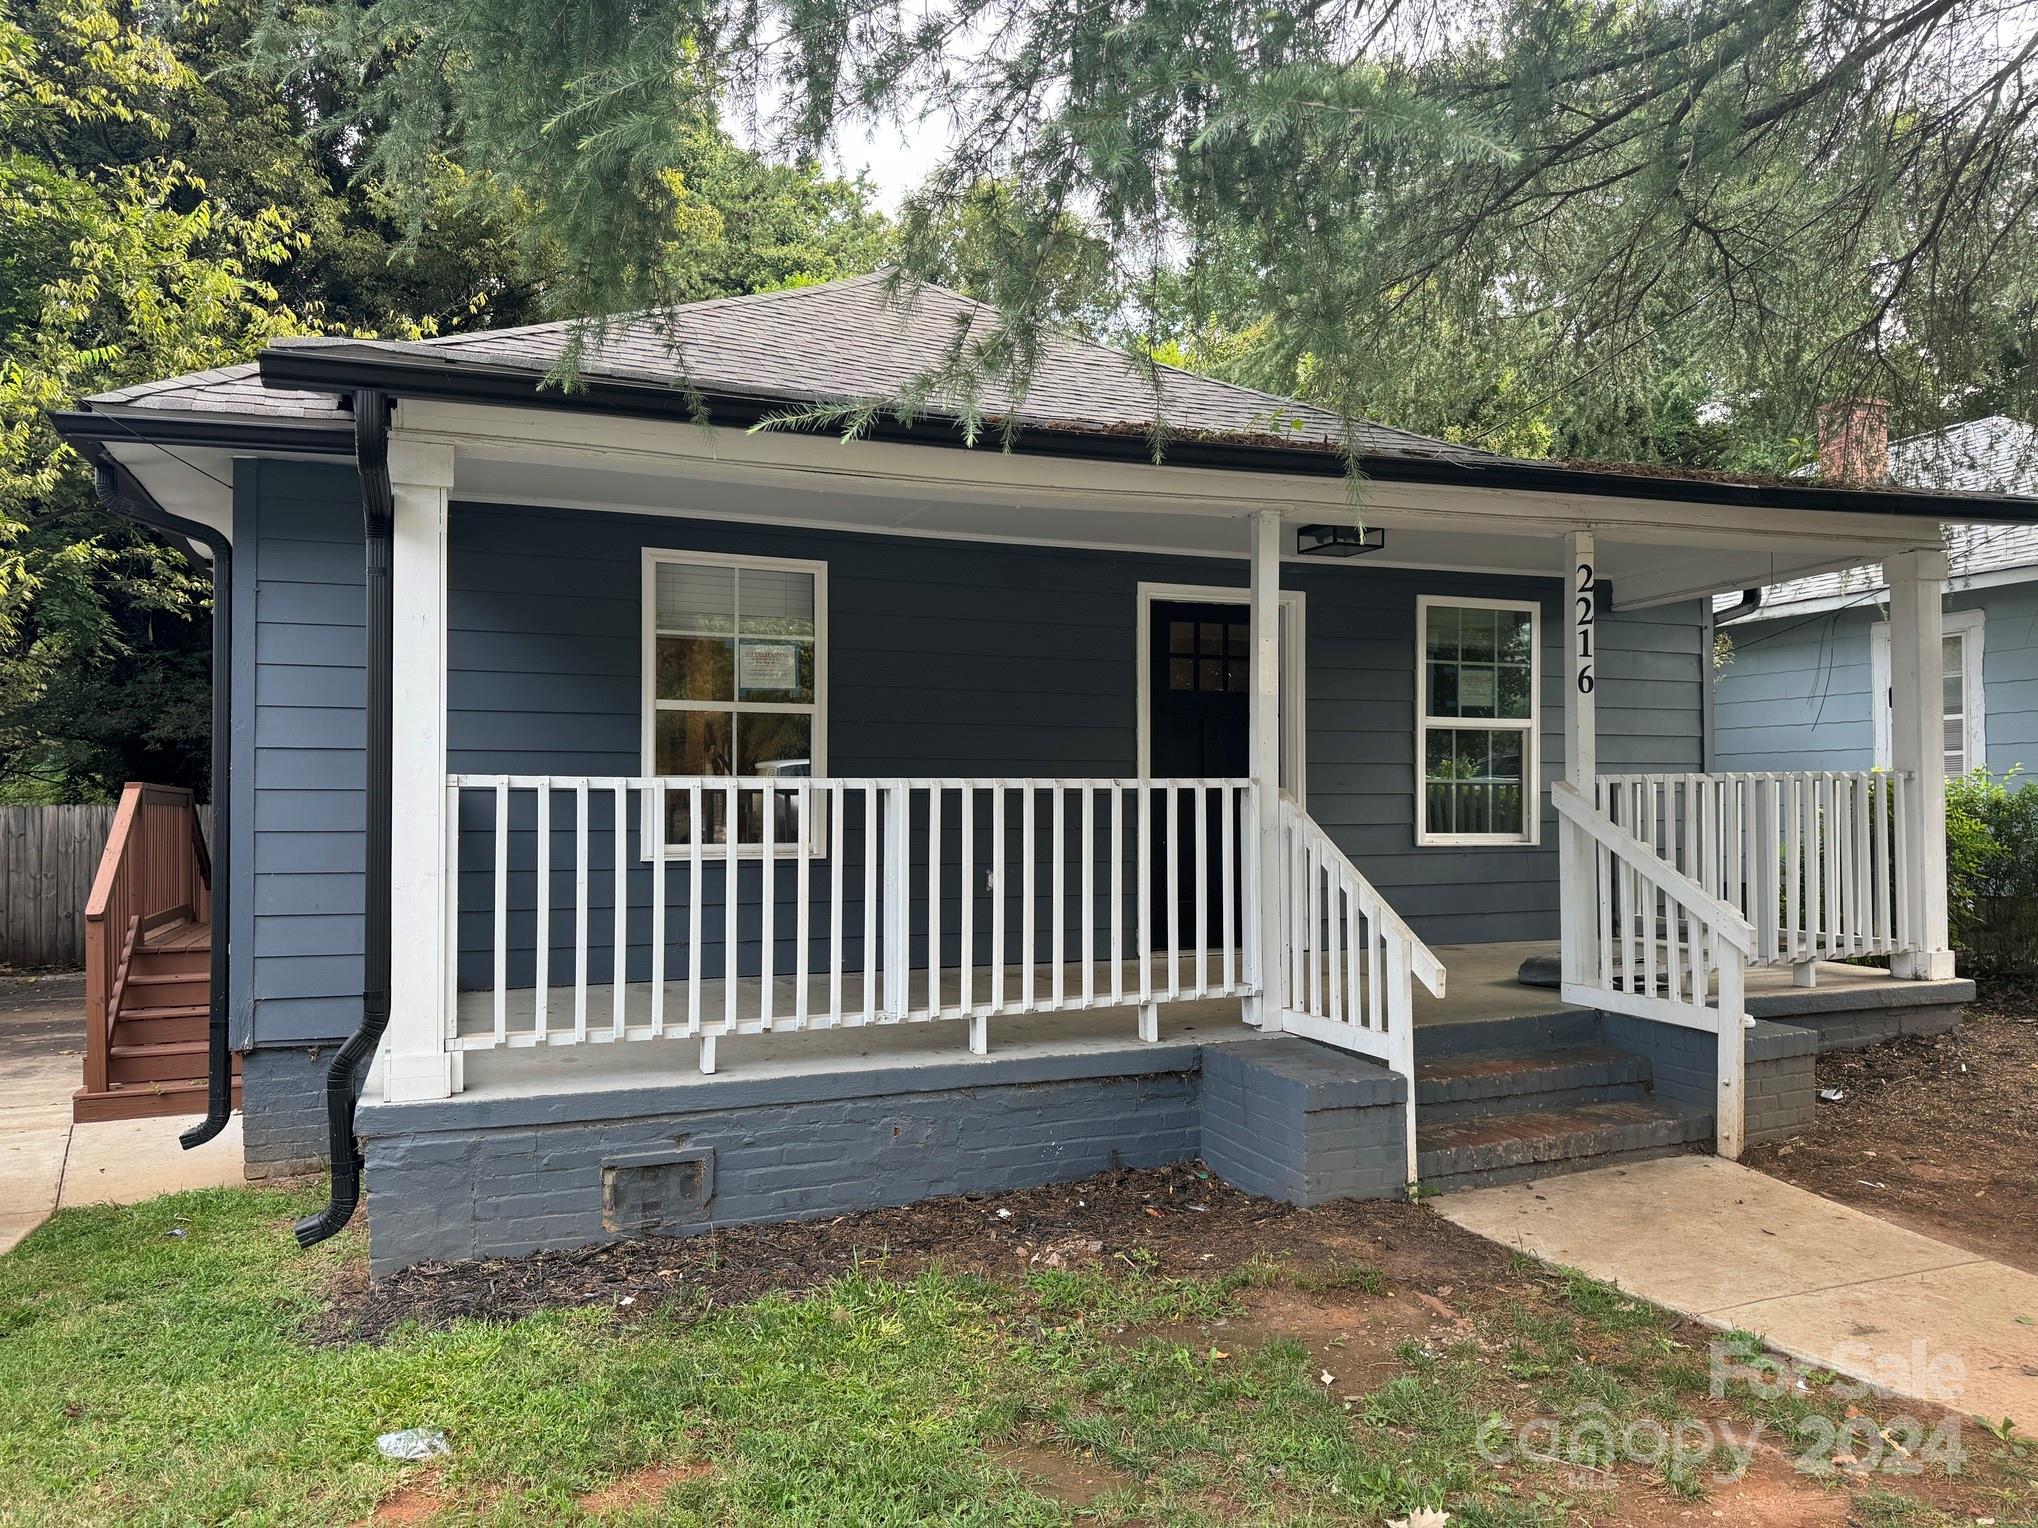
[1854,441]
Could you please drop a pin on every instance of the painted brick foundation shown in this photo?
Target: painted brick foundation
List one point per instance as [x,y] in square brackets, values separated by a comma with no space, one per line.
[481,1177]
[1780,1081]
[1303,1123]
[283,1112]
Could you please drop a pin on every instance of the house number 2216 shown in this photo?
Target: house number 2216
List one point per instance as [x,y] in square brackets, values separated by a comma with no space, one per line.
[1584,604]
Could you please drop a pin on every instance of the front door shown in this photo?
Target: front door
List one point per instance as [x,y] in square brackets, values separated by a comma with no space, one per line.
[1199,693]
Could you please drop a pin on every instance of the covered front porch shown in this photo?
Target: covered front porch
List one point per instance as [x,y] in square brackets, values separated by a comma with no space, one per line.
[616,912]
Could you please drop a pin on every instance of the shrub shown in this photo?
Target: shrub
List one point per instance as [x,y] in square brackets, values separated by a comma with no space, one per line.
[1992,872]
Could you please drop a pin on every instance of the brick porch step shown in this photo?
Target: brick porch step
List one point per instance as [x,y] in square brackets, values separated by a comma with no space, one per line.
[1488,1082]
[1525,1143]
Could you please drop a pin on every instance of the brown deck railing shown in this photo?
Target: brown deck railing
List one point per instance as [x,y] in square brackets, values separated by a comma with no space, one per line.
[155,870]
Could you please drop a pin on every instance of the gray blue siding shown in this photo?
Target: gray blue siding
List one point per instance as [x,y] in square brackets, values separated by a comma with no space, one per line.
[944,658]
[1798,692]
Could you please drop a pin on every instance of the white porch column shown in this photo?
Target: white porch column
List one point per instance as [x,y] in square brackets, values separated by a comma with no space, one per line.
[1265,760]
[1918,749]
[418,1062]
[1577,891]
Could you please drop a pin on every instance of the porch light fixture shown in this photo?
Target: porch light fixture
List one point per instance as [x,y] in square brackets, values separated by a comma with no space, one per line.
[1338,540]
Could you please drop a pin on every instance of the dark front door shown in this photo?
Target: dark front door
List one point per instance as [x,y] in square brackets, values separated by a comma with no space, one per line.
[1199,691]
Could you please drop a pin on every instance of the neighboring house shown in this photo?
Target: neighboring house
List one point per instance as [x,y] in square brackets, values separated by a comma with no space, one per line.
[1808,686]
[679,822]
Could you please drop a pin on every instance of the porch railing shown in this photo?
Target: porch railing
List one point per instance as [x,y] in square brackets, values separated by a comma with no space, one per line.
[1351,964]
[155,870]
[1642,938]
[1818,863]
[621,908]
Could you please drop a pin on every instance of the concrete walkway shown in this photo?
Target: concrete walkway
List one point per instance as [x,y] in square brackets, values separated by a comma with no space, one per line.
[1821,1282]
[45,1160]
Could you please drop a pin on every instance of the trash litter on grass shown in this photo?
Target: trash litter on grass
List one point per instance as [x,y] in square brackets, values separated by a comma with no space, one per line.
[413,1443]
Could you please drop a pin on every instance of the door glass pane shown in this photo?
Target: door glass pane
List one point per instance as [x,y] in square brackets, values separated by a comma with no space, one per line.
[696,668]
[1181,673]
[1182,637]
[696,599]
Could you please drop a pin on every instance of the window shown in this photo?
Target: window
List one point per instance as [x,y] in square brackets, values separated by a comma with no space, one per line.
[1209,653]
[1478,669]
[736,682]
[1962,715]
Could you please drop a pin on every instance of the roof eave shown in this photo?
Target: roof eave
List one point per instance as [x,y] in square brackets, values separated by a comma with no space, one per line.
[344,368]
[197,430]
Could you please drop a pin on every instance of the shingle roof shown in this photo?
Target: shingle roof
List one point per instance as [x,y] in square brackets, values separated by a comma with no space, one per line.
[844,341]
[1993,455]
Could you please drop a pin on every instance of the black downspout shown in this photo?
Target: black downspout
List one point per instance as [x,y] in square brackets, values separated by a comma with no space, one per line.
[343,1076]
[131,501]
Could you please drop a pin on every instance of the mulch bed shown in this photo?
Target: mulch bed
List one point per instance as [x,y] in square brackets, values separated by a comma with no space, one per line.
[1171,1220]
[1939,1133]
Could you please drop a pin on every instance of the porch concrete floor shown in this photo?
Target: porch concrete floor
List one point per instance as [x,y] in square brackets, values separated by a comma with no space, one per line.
[1821,1282]
[1481,985]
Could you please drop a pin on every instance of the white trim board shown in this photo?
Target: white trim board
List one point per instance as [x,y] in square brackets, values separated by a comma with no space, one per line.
[1294,676]
[1970,626]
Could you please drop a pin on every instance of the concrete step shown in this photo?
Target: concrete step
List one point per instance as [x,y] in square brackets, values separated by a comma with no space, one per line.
[142,1100]
[1498,1148]
[1489,1082]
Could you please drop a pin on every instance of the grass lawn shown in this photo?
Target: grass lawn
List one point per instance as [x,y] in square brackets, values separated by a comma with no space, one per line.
[156,1367]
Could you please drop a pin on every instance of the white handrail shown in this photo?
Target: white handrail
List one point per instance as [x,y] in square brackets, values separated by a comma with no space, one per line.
[770,903]
[1642,938]
[1818,860]
[1351,962]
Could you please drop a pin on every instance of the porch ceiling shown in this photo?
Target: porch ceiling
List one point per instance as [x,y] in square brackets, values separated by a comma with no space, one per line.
[1651,552]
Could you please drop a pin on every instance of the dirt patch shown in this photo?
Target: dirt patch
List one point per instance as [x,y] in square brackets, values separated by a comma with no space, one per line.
[1771,1494]
[1353,1340]
[1938,1133]
[1071,1479]
[418,1500]
[1177,1220]
[640,1488]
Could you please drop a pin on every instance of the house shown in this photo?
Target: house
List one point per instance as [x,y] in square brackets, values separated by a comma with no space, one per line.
[1808,684]
[642,819]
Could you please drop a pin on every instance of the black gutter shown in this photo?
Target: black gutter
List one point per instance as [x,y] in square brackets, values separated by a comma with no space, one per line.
[335,369]
[84,428]
[343,1075]
[121,495]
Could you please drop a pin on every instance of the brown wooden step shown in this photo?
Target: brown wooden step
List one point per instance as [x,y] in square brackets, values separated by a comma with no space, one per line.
[172,1061]
[130,1030]
[171,963]
[142,1100]
[152,989]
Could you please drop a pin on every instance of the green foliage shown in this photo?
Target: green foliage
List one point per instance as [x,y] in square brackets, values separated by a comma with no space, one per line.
[1992,872]
[164,209]
[114,266]
[1646,230]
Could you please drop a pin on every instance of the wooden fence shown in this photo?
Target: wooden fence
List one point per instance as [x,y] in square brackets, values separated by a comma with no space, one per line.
[47,858]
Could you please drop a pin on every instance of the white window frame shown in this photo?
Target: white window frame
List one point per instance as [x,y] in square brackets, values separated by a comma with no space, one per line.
[1294,701]
[1532,750]
[654,557]
[1968,625]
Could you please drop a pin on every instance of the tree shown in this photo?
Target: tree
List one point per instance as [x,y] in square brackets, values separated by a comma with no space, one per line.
[1720,205]
[164,209]
[107,274]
